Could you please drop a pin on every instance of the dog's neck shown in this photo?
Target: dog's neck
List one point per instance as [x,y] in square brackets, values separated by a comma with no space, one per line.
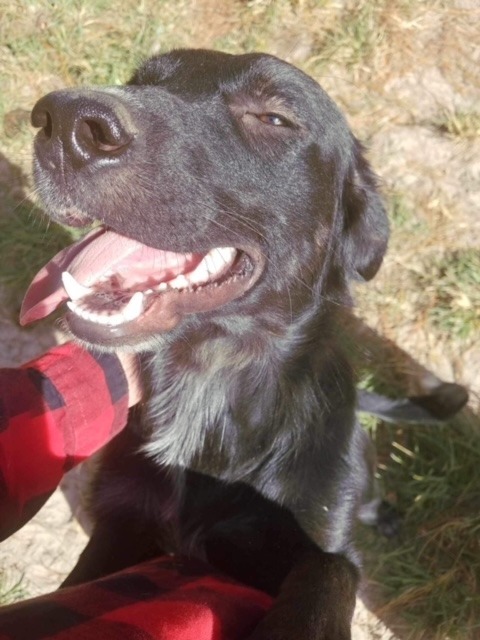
[209,384]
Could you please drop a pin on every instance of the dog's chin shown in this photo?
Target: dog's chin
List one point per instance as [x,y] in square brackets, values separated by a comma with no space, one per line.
[159,312]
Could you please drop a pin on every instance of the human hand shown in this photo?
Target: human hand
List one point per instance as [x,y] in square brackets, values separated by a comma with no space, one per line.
[131,367]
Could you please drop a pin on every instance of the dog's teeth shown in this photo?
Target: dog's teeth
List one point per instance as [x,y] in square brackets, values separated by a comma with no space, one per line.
[80,310]
[216,262]
[213,264]
[209,264]
[134,308]
[180,282]
[107,320]
[223,256]
[74,289]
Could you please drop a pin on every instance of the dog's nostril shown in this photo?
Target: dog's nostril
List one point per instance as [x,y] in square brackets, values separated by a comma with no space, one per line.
[48,126]
[101,137]
[82,126]
[42,119]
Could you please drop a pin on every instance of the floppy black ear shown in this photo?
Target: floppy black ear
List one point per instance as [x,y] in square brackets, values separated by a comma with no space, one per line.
[365,233]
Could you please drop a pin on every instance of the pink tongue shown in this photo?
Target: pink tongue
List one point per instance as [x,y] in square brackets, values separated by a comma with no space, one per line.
[87,260]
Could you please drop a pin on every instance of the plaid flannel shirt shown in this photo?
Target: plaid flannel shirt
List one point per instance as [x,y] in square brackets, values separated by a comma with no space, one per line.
[163,599]
[54,412]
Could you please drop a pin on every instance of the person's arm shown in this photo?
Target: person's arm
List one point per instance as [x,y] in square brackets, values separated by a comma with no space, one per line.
[56,411]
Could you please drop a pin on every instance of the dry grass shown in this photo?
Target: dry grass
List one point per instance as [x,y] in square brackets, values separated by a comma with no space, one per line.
[431,574]
[11,590]
[459,125]
[407,75]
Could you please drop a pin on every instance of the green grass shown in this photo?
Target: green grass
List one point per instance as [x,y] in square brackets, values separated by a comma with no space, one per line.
[11,590]
[27,242]
[401,214]
[80,41]
[451,284]
[428,577]
[430,572]
[353,39]
[49,45]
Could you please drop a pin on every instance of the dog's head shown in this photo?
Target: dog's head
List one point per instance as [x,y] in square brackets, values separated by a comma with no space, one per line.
[219,181]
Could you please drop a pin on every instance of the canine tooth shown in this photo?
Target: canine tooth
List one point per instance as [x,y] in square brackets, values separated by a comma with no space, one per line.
[163,286]
[74,289]
[134,308]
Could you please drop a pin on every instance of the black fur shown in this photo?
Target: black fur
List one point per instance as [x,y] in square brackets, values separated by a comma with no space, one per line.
[246,451]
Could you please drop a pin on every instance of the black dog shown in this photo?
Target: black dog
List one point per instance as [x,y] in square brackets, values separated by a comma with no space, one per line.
[256,205]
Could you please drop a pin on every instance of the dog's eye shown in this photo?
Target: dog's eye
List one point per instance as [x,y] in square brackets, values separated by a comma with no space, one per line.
[273,119]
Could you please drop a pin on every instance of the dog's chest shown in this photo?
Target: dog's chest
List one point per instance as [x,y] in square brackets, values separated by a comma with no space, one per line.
[182,414]
[210,410]
[190,408]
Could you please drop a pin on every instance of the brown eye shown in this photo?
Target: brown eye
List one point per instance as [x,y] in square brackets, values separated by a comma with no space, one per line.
[273,119]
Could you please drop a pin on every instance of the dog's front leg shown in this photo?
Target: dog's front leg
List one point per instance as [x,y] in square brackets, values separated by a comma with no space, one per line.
[113,546]
[316,601]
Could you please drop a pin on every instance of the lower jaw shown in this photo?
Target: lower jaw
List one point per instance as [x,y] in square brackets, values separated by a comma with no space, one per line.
[162,315]
[132,334]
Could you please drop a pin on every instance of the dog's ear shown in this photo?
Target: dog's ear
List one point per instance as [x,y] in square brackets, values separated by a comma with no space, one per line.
[365,231]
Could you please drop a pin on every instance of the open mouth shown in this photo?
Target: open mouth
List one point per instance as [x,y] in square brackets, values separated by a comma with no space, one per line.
[115,286]
[122,296]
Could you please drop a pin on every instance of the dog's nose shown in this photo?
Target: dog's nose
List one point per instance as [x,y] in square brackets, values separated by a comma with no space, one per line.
[88,125]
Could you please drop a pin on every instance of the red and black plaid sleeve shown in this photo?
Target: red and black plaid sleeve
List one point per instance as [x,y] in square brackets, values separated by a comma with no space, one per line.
[55,411]
[164,599]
